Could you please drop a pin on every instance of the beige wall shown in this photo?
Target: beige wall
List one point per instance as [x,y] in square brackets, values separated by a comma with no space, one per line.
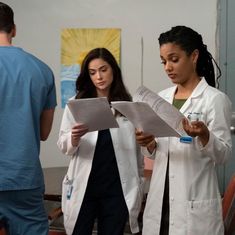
[39,23]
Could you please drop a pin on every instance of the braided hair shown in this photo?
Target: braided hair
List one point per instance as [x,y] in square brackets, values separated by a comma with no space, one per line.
[189,40]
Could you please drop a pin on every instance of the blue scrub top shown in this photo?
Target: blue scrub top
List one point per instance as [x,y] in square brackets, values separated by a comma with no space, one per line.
[26,89]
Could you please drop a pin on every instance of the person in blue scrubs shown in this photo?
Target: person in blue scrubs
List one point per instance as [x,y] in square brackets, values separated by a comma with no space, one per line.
[27,104]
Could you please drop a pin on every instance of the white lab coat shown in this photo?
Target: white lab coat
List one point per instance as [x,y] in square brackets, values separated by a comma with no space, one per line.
[129,160]
[195,201]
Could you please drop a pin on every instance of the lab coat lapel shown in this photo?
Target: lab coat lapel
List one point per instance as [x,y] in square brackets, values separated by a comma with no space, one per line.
[195,94]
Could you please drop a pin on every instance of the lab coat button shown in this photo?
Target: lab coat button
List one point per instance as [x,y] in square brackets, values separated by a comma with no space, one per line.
[172,176]
[172,199]
[172,223]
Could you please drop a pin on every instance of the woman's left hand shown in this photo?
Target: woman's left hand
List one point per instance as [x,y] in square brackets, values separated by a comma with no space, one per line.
[197,128]
[146,140]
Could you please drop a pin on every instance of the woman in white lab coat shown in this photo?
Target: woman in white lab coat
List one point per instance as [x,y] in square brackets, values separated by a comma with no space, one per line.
[104,178]
[184,198]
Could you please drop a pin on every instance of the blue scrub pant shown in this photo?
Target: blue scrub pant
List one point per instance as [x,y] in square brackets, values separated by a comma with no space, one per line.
[23,212]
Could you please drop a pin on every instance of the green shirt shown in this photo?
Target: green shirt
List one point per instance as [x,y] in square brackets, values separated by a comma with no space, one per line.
[178,103]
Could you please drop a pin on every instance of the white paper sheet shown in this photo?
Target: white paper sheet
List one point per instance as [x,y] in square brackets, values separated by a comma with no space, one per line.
[94,112]
[171,115]
[144,118]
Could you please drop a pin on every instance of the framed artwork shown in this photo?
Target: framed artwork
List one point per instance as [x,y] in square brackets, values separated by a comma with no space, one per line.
[75,44]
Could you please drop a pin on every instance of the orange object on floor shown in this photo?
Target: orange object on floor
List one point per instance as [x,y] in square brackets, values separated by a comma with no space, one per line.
[228,204]
[2,229]
[56,232]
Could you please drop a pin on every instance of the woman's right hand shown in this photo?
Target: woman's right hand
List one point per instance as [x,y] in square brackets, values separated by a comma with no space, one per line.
[78,131]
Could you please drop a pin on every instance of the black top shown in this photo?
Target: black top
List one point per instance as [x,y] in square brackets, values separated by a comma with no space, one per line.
[104,179]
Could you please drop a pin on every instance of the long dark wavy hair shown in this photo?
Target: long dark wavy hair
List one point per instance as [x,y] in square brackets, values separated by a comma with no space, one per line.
[189,40]
[86,89]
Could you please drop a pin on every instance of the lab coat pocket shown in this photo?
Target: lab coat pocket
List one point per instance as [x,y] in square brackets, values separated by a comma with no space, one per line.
[204,217]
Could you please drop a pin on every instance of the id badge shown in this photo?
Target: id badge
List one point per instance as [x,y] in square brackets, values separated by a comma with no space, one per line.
[69,191]
[69,184]
[186,139]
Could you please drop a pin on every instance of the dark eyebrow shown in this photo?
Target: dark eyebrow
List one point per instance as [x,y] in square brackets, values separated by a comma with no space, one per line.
[172,54]
[101,67]
[169,55]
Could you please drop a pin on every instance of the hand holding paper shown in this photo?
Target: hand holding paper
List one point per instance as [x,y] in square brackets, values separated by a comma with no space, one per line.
[77,132]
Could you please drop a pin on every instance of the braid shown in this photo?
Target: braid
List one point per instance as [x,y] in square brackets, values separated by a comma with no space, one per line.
[205,65]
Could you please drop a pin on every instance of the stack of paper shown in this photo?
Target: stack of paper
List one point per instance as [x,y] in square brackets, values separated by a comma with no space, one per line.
[149,113]
[144,118]
[94,112]
[152,114]
[166,111]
